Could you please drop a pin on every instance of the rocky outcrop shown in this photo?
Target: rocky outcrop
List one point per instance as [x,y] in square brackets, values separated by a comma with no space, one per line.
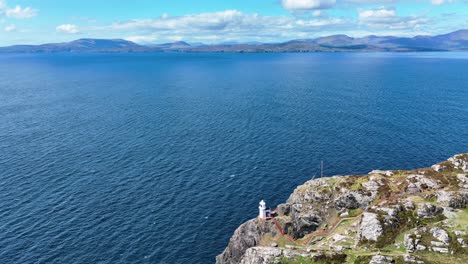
[460,162]
[427,210]
[370,227]
[261,255]
[379,259]
[305,219]
[440,235]
[363,213]
[246,236]
[453,199]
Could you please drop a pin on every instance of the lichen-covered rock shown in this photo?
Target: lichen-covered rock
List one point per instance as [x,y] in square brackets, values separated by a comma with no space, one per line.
[411,259]
[453,199]
[261,255]
[379,259]
[347,201]
[460,162]
[440,235]
[370,227]
[389,209]
[440,250]
[409,243]
[283,209]
[427,210]
[313,191]
[371,186]
[246,236]
[418,183]
[305,220]
[408,205]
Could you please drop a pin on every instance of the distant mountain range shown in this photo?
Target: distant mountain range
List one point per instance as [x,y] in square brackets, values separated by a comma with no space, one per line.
[457,40]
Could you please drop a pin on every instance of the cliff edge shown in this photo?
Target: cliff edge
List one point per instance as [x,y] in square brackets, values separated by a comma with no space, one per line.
[393,216]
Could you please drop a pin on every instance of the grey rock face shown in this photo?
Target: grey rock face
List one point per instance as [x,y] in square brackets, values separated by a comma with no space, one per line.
[460,162]
[305,220]
[438,167]
[409,205]
[463,180]
[427,210]
[379,259]
[437,244]
[420,248]
[453,199]
[440,250]
[409,243]
[307,193]
[440,235]
[261,255]
[283,209]
[370,227]
[411,259]
[371,185]
[347,201]
[246,236]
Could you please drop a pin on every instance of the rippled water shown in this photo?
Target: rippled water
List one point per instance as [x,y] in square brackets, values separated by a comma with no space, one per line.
[157,158]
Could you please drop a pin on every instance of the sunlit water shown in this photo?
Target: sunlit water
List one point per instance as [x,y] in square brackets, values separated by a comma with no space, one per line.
[157,158]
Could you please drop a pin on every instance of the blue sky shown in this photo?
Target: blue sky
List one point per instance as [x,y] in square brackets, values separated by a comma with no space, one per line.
[215,21]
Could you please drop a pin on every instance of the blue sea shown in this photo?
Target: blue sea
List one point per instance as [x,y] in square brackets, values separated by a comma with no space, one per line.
[159,157]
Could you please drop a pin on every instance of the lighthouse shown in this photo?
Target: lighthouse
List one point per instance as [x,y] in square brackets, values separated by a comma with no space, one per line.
[262,210]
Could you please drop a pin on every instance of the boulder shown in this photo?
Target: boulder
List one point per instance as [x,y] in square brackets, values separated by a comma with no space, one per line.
[463,180]
[409,243]
[381,172]
[379,259]
[408,204]
[411,259]
[427,210]
[440,250]
[438,167]
[437,244]
[370,227]
[420,248]
[261,255]
[440,235]
[460,162]
[371,185]
[412,188]
[453,199]
[338,238]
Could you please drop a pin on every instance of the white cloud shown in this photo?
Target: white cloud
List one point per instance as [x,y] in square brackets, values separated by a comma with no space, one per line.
[387,18]
[10,28]
[304,5]
[19,12]
[377,15]
[441,2]
[67,28]
[222,26]
[142,39]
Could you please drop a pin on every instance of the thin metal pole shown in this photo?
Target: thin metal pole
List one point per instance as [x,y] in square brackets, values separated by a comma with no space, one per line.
[321,169]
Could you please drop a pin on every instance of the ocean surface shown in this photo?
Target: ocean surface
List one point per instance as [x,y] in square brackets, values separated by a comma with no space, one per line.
[158,158]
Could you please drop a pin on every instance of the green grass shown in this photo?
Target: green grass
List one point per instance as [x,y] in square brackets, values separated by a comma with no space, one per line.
[357,184]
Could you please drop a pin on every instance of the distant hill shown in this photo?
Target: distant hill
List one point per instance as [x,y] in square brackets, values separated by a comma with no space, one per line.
[80,45]
[457,40]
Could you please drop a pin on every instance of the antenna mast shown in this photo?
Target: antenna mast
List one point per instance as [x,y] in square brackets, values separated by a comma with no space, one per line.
[321,169]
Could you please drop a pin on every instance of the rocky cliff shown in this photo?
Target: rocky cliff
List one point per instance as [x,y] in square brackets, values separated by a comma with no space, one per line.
[416,216]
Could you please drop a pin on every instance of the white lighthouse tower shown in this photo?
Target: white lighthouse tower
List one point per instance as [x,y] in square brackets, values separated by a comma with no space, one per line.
[262,210]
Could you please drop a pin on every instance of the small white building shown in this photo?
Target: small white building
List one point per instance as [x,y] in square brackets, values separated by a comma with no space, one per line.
[263,211]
